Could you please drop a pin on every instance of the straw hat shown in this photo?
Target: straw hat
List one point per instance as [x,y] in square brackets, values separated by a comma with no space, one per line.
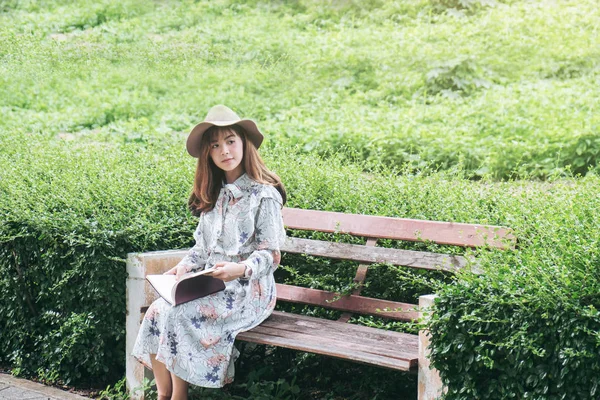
[221,115]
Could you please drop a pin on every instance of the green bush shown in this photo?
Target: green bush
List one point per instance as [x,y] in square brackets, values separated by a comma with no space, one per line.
[71,211]
[492,342]
[69,216]
[528,327]
[456,5]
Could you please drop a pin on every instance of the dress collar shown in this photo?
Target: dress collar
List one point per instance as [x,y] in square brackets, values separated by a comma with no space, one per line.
[236,188]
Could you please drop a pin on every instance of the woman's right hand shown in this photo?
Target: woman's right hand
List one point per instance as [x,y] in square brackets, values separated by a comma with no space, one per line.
[178,271]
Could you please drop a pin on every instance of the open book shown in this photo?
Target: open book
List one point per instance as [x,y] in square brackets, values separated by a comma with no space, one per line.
[189,287]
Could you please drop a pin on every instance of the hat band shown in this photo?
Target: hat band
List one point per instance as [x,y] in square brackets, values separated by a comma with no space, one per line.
[223,122]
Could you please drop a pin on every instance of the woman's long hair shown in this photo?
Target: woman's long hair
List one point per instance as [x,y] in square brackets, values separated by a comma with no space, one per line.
[208,178]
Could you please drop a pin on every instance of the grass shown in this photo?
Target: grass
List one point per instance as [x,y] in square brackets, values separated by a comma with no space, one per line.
[508,90]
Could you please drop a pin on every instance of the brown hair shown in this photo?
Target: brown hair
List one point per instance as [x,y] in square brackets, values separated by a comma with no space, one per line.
[208,178]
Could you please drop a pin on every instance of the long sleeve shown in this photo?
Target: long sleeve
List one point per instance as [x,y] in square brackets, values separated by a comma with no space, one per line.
[193,260]
[269,235]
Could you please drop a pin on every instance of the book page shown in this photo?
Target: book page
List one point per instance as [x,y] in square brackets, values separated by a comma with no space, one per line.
[166,285]
[203,272]
[163,284]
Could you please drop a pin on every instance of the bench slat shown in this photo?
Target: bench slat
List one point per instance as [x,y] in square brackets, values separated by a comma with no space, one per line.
[302,345]
[281,329]
[353,303]
[451,233]
[360,253]
[346,345]
[378,339]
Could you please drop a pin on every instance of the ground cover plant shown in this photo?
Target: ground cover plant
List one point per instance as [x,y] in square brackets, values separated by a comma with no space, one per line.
[507,88]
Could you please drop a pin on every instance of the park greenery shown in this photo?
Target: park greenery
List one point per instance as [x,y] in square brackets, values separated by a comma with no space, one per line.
[476,111]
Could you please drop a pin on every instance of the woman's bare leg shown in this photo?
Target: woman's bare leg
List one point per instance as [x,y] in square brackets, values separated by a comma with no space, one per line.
[162,377]
[180,388]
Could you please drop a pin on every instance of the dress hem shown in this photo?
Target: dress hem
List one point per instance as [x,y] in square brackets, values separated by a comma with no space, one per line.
[210,386]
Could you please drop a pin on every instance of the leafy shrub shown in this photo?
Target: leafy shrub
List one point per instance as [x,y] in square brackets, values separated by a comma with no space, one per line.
[119,390]
[456,77]
[8,5]
[470,5]
[68,221]
[71,212]
[528,327]
[574,67]
[498,343]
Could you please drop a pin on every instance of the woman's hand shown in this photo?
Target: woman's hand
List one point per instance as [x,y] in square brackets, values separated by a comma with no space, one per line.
[228,271]
[179,271]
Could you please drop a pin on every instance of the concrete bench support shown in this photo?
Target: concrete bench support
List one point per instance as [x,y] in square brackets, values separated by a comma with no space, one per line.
[139,294]
[430,384]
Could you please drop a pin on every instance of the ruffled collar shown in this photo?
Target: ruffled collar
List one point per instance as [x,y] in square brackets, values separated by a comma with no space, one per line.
[236,188]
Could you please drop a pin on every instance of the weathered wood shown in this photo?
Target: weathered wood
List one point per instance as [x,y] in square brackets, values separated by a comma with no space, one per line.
[352,303]
[361,275]
[324,337]
[452,233]
[347,346]
[360,253]
[361,271]
[302,345]
[355,304]
[379,338]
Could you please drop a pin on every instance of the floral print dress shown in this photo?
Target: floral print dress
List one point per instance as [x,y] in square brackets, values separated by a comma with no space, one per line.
[195,339]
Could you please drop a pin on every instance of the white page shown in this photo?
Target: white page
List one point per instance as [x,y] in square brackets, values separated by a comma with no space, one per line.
[165,284]
[204,271]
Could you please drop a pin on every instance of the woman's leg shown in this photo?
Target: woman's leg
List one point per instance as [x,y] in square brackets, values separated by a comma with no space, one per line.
[180,388]
[162,377]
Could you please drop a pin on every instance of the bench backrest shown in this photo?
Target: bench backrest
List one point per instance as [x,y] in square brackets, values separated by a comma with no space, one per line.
[370,227]
[373,228]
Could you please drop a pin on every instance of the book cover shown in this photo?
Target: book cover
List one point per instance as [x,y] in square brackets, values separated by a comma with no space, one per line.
[189,287]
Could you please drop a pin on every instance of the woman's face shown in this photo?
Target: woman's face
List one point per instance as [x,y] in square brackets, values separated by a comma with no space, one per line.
[227,152]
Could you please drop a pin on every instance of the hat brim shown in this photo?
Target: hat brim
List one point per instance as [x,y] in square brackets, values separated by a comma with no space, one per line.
[195,137]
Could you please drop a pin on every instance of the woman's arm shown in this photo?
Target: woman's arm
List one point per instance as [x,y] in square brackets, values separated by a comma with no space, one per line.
[269,234]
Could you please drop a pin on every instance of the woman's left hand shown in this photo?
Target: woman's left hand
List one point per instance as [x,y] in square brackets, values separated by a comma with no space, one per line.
[228,271]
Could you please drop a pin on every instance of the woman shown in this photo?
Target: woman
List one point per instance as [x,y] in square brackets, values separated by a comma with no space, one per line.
[240,231]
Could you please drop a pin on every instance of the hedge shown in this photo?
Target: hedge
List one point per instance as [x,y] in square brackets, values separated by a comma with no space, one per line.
[530,326]
[71,211]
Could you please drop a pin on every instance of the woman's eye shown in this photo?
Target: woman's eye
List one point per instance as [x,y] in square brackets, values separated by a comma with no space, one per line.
[231,142]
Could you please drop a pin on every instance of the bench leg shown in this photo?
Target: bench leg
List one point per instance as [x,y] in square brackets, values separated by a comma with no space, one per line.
[430,384]
[139,295]
[134,371]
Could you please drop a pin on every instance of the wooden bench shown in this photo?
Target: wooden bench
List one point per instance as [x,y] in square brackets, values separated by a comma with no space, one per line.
[399,351]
